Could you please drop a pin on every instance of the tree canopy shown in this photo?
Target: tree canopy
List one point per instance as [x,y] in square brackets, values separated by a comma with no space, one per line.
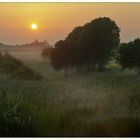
[98,38]
[87,46]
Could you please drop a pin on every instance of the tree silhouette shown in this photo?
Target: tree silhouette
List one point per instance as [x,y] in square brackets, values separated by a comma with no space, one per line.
[46,53]
[129,55]
[88,46]
[98,38]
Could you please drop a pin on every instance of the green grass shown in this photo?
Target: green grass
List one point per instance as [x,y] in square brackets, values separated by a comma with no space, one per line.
[93,104]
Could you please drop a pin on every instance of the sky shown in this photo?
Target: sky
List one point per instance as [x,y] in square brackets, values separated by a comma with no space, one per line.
[56,20]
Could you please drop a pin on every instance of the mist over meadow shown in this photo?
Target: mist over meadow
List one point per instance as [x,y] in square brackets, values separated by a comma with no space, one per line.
[86,84]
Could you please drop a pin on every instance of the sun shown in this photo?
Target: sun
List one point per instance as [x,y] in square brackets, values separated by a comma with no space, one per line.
[34,26]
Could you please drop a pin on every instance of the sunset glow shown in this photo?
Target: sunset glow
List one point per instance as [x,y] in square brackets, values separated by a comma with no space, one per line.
[53,21]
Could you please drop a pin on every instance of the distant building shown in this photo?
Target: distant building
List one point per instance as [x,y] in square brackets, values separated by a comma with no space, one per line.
[38,43]
[33,46]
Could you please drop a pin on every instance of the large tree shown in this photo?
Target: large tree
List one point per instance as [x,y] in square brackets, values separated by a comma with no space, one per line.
[98,38]
[87,46]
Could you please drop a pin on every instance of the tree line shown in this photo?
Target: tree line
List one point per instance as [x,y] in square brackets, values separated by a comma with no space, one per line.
[90,47]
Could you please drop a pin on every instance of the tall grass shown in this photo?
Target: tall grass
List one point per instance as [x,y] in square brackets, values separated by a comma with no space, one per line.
[94,104]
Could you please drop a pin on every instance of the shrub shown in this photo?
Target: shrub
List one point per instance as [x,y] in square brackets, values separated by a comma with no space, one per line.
[17,69]
[8,63]
[25,73]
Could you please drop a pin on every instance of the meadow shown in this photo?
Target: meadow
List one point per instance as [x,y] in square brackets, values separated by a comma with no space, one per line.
[90,104]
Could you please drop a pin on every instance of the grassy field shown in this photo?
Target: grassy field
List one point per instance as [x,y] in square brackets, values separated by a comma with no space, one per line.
[93,104]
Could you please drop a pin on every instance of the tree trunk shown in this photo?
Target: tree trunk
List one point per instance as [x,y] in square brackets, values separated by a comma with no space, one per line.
[139,71]
[93,66]
[88,67]
[65,72]
[101,67]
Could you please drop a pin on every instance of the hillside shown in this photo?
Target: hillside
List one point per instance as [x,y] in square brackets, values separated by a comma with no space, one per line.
[35,46]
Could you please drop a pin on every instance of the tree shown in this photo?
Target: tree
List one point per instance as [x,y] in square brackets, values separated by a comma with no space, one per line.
[75,50]
[87,46]
[97,39]
[66,52]
[60,56]
[46,53]
[73,37]
[129,55]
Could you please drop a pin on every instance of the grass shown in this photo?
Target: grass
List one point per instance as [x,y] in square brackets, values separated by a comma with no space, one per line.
[94,104]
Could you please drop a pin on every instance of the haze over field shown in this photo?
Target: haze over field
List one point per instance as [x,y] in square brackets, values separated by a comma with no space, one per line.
[70,69]
[56,20]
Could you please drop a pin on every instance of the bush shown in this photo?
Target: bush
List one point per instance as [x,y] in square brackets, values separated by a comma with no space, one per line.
[8,63]
[129,55]
[17,69]
[25,73]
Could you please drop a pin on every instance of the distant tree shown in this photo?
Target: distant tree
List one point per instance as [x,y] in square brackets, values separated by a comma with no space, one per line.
[98,38]
[46,53]
[129,55]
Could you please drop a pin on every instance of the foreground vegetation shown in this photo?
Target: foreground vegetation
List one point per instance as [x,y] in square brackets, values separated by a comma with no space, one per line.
[93,104]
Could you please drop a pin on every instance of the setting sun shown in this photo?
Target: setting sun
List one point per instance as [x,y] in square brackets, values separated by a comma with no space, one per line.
[34,26]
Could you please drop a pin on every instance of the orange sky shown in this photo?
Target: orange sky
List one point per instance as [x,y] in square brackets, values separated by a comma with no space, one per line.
[56,20]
